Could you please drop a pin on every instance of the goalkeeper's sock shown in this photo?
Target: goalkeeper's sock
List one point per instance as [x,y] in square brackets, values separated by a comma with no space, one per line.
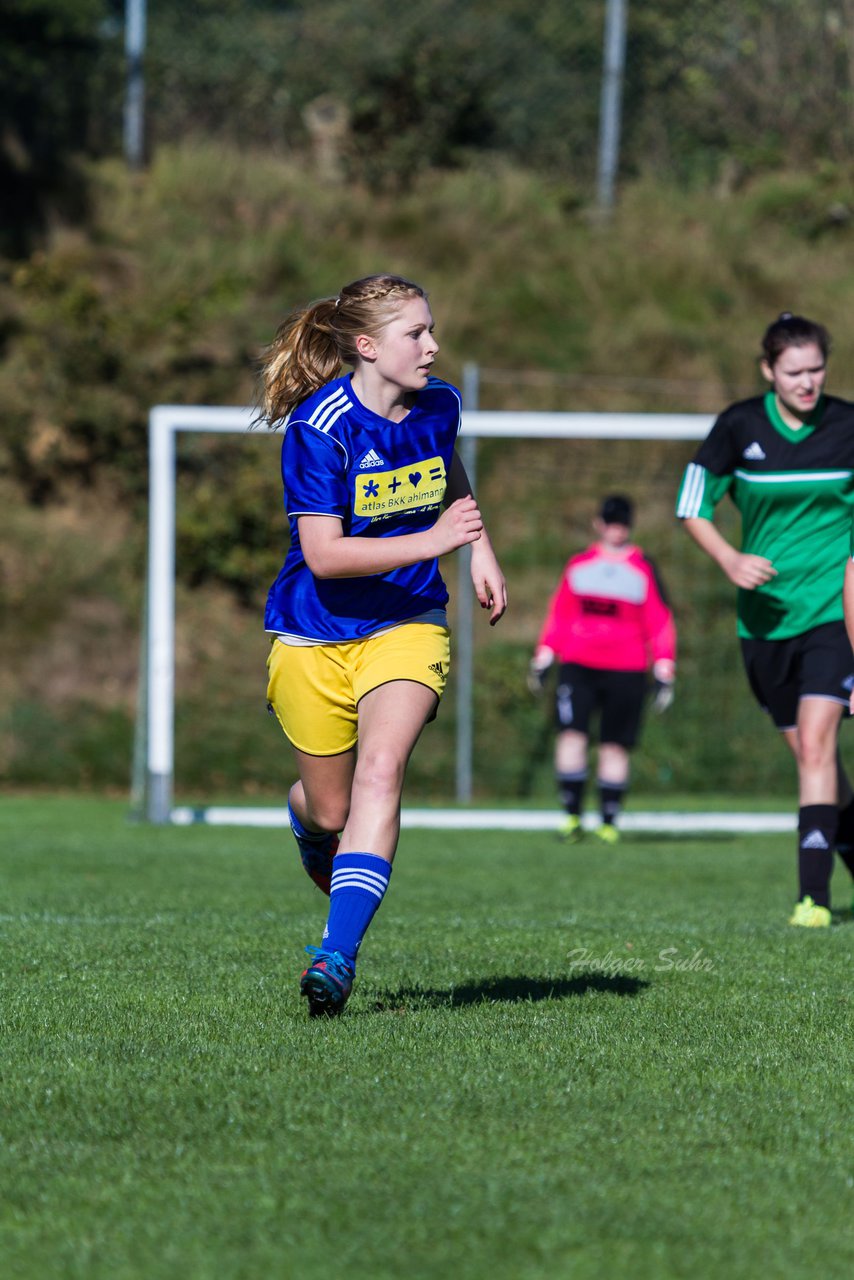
[816,837]
[570,788]
[359,882]
[612,796]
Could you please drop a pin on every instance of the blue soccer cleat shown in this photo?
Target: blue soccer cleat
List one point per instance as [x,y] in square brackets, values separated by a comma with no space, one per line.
[316,852]
[326,983]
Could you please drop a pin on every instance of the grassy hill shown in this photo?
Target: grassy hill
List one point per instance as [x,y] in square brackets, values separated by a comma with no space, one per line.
[167,293]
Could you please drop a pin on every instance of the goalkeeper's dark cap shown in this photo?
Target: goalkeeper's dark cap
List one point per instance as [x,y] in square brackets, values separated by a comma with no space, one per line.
[617,509]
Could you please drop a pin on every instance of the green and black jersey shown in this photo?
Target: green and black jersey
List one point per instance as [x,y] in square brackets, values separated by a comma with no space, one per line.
[795,493]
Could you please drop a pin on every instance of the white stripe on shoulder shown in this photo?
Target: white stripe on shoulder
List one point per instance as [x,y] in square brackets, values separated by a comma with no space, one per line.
[333,418]
[330,409]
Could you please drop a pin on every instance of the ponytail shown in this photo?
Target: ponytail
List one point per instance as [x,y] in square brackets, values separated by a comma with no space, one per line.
[302,357]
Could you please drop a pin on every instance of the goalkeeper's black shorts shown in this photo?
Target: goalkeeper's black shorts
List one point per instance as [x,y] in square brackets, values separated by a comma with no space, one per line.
[616,697]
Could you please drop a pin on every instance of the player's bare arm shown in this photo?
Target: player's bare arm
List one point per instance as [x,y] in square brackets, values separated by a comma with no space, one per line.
[487,578]
[329,554]
[742,569]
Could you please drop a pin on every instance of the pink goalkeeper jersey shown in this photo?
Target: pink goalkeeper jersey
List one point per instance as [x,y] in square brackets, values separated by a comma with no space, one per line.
[609,612]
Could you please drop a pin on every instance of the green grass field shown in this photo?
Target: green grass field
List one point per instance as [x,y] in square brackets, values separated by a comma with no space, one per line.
[556,1063]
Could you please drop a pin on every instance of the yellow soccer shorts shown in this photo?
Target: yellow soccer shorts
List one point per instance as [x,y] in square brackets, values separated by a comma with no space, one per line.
[314,690]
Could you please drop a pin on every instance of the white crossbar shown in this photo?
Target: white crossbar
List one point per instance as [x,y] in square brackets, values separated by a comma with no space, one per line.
[165,421]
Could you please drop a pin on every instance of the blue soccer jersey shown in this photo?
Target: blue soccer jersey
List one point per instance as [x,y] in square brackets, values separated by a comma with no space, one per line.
[382,479]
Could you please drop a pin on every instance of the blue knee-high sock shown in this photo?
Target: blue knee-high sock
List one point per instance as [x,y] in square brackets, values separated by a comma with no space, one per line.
[303,832]
[359,882]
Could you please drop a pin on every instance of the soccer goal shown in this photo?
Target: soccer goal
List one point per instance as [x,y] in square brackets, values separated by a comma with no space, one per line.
[539,477]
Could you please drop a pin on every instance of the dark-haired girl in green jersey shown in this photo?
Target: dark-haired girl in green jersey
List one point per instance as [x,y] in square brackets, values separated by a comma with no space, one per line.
[786,459]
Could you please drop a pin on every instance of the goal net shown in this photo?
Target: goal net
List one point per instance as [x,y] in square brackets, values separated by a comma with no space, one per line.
[204,737]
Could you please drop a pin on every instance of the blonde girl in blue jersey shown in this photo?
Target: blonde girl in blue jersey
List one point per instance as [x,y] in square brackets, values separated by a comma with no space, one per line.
[375,494]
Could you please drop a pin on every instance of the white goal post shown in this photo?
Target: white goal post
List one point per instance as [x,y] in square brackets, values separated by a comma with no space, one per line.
[156,749]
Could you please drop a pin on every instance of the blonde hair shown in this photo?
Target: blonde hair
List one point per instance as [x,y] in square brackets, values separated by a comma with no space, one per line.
[313,342]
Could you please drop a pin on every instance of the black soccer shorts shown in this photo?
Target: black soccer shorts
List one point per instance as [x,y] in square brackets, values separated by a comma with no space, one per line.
[617,697]
[817,664]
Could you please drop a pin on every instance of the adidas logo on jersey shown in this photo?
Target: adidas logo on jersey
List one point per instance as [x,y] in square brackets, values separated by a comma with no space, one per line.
[815,840]
[754,452]
[371,459]
[437,667]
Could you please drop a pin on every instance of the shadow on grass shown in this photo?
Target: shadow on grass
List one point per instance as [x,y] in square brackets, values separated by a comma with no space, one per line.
[507,991]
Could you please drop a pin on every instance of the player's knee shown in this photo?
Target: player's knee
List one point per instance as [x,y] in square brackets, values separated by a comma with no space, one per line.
[329,813]
[381,772]
[816,752]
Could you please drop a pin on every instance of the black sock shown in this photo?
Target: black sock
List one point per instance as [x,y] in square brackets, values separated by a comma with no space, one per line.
[816,837]
[570,788]
[845,836]
[611,797]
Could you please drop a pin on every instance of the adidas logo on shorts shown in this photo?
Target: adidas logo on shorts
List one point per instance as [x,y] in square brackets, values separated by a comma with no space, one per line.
[437,667]
[815,840]
[371,459]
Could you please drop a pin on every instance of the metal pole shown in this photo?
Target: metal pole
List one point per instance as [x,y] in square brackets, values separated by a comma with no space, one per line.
[464,638]
[161,616]
[612,91]
[134,122]
[139,765]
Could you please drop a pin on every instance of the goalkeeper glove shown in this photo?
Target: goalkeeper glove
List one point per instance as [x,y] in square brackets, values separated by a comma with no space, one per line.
[662,695]
[538,670]
[663,675]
